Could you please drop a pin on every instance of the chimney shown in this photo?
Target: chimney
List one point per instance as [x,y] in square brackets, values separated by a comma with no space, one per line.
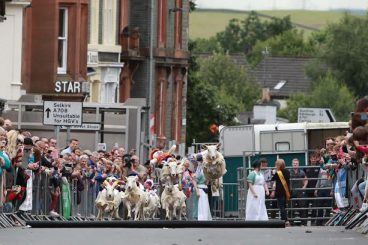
[266,96]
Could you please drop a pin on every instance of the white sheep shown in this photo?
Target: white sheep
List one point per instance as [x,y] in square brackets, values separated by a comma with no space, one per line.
[151,205]
[133,198]
[108,200]
[173,200]
[214,165]
[172,171]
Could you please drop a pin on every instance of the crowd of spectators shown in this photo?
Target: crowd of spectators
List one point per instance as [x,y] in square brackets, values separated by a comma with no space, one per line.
[23,155]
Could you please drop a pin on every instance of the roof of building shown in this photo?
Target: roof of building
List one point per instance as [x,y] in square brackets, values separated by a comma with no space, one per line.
[283,75]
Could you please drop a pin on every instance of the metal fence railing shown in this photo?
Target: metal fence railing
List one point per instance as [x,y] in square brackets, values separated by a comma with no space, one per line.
[230,203]
[303,205]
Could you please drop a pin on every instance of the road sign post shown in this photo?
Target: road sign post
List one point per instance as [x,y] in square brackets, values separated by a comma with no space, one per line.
[315,115]
[62,113]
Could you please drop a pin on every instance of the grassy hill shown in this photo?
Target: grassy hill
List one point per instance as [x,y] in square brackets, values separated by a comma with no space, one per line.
[206,23]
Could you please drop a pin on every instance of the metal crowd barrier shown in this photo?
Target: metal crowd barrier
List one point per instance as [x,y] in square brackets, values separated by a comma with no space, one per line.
[1,194]
[296,205]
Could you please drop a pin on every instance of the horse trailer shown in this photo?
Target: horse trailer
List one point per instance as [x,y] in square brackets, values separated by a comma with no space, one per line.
[243,144]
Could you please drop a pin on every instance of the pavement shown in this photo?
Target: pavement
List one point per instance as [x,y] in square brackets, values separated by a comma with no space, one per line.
[181,236]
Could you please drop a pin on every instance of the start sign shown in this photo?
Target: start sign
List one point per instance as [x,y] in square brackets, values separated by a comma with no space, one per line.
[68,87]
[62,113]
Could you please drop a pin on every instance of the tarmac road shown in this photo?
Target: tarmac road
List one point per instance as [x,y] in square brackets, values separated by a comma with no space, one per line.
[181,236]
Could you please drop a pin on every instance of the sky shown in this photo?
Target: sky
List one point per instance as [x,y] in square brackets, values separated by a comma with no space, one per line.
[282,4]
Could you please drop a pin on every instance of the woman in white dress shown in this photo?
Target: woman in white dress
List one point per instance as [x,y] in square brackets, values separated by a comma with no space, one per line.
[200,185]
[256,206]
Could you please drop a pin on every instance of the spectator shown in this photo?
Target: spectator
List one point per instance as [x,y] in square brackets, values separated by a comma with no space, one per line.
[73,144]
[2,122]
[148,185]
[140,169]
[323,190]
[8,125]
[14,143]
[188,188]
[339,169]
[52,142]
[78,174]
[363,187]
[55,179]
[17,194]
[31,156]
[4,158]
[330,143]
[44,140]
[299,182]
[281,187]
[121,151]
[47,158]
[312,175]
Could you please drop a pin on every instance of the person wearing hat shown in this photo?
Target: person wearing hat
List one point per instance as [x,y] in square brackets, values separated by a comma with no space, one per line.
[148,185]
[30,157]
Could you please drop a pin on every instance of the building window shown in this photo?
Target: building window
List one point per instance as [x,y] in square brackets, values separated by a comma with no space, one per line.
[63,40]
[280,84]
[282,146]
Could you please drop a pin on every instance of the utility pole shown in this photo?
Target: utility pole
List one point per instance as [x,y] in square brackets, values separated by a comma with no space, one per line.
[265,54]
[151,90]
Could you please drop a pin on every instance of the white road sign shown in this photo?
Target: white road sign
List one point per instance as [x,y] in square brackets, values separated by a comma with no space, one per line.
[86,126]
[315,115]
[62,113]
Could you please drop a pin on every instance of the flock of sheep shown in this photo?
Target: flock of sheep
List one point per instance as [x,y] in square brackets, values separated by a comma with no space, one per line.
[146,204]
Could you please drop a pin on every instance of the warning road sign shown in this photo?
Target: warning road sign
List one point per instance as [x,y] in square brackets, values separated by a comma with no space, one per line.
[62,113]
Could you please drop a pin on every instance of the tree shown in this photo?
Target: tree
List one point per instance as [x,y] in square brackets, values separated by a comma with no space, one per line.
[228,78]
[241,36]
[217,90]
[327,93]
[204,45]
[346,52]
[231,38]
[295,101]
[330,93]
[202,109]
[192,5]
[288,43]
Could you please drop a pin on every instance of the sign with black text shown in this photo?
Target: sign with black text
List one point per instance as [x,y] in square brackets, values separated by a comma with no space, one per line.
[315,115]
[86,126]
[62,113]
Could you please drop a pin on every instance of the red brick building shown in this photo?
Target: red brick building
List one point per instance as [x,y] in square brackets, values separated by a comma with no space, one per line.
[154,39]
[55,45]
